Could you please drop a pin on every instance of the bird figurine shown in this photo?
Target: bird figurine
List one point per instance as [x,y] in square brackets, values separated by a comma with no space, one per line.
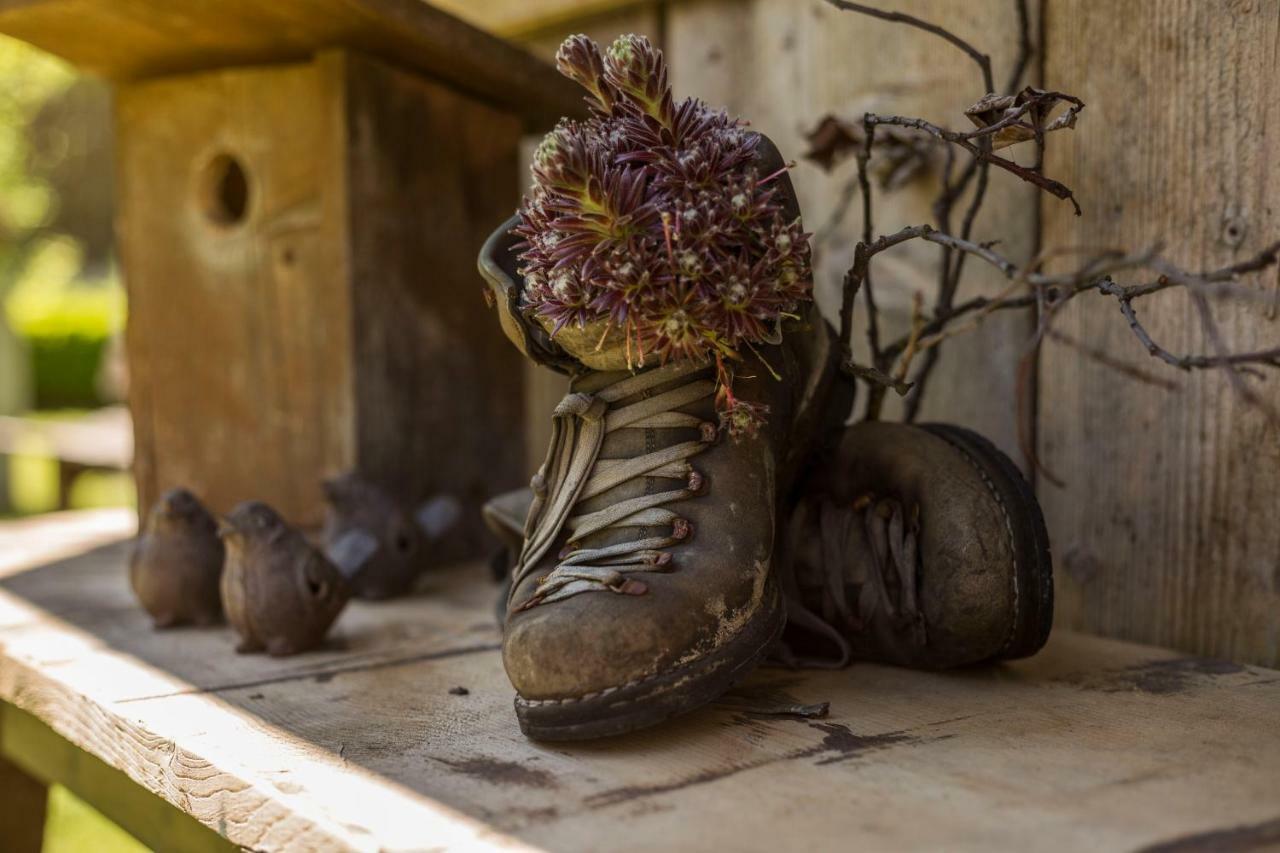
[177,561]
[378,543]
[280,593]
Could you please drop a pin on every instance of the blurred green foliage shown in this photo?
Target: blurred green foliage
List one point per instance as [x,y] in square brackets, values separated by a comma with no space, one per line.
[67,321]
[72,826]
[28,79]
[64,315]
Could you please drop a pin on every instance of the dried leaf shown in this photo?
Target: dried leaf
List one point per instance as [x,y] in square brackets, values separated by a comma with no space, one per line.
[832,141]
[1025,112]
[899,154]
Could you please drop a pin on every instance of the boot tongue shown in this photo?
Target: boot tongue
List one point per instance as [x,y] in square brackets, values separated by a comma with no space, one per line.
[598,345]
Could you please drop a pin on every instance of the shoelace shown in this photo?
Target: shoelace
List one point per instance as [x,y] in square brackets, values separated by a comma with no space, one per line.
[893,540]
[573,473]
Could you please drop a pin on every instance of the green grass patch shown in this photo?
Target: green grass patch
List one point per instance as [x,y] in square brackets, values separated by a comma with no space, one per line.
[73,826]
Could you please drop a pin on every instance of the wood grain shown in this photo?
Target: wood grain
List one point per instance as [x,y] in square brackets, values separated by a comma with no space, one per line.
[33,746]
[438,396]
[339,323]
[1166,530]
[131,39]
[784,64]
[239,337]
[521,20]
[1093,744]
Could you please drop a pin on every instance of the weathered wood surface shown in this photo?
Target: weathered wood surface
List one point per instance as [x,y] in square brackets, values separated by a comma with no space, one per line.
[130,39]
[239,336]
[784,64]
[37,750]
[521,20]
[438,393]
[1166,531]
[329,314]
[1094,744]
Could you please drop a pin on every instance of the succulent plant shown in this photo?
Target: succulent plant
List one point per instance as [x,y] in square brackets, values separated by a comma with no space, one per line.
[651,218]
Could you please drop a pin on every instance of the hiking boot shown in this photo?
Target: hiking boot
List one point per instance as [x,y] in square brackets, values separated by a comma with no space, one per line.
[920,546]
[644,586]
[940,498]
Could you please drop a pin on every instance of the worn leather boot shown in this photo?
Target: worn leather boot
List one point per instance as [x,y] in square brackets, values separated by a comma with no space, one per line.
[916,546]
[645,587]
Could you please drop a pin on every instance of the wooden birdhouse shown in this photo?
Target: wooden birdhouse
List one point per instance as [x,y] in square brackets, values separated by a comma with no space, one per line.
[303,187]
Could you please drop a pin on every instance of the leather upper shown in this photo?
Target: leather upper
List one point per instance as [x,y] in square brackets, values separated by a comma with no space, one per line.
[719,577]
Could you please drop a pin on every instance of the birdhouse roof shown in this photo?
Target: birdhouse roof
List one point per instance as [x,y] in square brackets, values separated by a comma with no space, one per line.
[132,39]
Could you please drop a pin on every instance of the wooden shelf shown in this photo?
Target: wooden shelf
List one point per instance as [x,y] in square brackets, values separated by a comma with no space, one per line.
[132,39]
[1093,744]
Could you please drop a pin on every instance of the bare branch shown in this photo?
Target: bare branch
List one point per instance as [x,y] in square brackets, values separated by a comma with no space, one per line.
[1006,118]
[877,378]
[1054,188]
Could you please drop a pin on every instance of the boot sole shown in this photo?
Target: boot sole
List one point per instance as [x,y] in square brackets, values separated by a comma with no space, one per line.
[653,700]
[1033,618]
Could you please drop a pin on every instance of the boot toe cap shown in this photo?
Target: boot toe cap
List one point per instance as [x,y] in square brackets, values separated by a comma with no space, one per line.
[595,642]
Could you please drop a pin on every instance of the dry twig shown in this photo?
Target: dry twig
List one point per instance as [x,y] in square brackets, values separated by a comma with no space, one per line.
[1002,120]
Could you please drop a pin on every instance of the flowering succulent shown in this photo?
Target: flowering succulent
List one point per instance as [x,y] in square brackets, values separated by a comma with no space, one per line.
[651,219]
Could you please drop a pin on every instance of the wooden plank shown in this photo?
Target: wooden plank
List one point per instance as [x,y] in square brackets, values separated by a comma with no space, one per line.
[783,64]
[22,808]
[234,239]
[130,39]
[34,747]
[428,174]
[1093,744]
[76,653]
[99,439]
[523,20]
[82,557]
[1166,530]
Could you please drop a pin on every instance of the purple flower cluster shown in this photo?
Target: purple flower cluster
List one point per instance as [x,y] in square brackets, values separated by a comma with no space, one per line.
[651,219]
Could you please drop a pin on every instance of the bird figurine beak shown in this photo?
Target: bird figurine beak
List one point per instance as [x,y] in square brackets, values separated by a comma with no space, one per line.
[227,530]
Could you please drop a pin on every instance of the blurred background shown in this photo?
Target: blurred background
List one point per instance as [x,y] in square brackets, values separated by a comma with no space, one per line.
[65,438]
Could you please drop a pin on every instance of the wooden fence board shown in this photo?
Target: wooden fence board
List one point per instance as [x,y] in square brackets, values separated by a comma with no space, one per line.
[783,64]
[1166,531]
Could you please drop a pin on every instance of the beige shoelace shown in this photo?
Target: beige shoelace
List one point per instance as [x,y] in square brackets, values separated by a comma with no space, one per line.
[892,537]
[573,473]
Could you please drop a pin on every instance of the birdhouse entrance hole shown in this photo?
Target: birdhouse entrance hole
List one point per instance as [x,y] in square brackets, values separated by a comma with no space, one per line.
[224,190]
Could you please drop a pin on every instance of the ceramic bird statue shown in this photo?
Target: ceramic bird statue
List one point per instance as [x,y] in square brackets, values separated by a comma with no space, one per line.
[177,561]
[280,594]
[379,544]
